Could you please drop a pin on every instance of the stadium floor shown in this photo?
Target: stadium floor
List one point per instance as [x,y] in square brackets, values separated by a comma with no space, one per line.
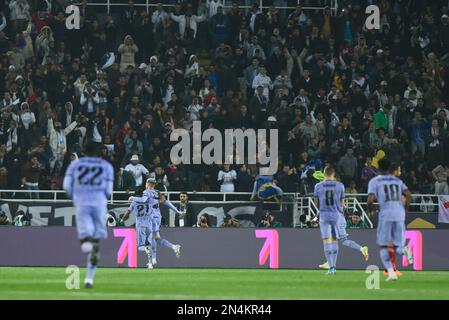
[183,284]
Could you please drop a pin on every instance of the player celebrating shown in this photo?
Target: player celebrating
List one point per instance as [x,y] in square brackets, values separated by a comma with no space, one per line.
[144,229]
[88,182]
[154,199]
[388,189]
[330,199]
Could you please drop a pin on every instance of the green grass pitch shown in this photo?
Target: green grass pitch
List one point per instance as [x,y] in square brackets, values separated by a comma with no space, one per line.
[185,284]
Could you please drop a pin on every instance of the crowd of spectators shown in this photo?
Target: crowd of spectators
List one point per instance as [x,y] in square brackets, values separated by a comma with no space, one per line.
[337,92]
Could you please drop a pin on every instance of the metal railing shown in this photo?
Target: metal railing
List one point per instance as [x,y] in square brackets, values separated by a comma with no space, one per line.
[302,205]
[354,205]
[228,4]
[119,197]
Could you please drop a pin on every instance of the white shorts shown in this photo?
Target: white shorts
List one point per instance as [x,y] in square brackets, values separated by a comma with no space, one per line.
[91,222]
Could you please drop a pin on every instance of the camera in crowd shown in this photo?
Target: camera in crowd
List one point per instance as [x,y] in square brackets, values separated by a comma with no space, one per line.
[309,220]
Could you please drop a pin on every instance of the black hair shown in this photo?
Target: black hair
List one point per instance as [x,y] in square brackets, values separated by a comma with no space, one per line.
[92,148]
[385,165]
[139,191]
[393,167]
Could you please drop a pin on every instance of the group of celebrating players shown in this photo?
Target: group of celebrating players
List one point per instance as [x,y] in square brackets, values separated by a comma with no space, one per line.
[89,183]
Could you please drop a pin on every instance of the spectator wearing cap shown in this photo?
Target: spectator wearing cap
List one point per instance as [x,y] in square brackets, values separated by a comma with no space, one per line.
[380,94]
[138,171]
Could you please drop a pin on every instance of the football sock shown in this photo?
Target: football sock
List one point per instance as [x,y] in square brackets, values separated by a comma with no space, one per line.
[328,253]
[165,243]
[334,254]
[351,244]
[385,257]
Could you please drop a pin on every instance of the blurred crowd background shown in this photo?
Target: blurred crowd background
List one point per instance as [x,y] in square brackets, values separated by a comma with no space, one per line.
[338,93]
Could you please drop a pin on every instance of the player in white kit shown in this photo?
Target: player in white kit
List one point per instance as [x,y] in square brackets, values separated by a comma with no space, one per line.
[89,182]
[154,199]
[144,228]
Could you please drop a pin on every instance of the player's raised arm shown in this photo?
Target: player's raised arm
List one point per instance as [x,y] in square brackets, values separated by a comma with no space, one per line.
[167,203]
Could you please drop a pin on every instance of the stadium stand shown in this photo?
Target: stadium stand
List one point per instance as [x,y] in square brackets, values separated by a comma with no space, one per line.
[338,93]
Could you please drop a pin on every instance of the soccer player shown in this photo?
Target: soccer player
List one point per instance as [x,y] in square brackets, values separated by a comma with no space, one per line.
[330,199]
[342,234]
[144,228]
[389,190]
[88,182]
[155,199]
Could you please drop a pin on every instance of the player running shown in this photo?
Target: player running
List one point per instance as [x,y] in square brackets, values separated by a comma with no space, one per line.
[88,182]
[388,190]
[144,228]
[330,199]
[155,199]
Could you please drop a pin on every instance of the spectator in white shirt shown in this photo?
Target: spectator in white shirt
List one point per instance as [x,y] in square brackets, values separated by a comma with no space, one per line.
[188,21]
[263,80]
[227,177]
[213,5]
[137,170]
[27,116]
[158,17]
[194,109]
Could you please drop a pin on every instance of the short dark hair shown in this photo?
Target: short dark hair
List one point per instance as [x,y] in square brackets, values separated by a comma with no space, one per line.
[183,192]
[92,148]
[384,165]
[393,167]
[139,191]
[328,171]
